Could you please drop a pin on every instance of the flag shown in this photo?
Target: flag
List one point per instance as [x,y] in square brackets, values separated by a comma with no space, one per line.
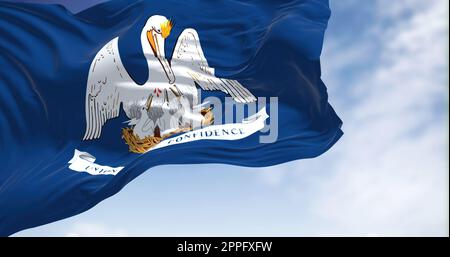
[89,101]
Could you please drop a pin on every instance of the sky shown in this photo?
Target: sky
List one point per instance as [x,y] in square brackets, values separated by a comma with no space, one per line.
[385,64]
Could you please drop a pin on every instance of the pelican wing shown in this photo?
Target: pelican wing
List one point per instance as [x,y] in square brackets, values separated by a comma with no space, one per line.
[188,53]
[102,93]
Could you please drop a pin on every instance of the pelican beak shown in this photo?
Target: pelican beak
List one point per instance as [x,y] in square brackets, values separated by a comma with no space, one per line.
[156,42]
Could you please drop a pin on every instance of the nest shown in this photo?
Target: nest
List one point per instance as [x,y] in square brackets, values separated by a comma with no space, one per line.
[138,145]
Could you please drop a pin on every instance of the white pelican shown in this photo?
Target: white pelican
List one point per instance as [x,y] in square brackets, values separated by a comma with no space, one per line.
[171,87]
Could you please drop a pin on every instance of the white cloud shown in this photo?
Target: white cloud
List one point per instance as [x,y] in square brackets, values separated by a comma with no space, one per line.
[388,175]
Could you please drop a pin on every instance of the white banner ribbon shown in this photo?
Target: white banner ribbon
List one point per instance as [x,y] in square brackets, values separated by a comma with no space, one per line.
[85,162]
[231,131]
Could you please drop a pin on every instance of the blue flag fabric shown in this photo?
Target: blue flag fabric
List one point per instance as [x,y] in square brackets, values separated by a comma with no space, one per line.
[60,154]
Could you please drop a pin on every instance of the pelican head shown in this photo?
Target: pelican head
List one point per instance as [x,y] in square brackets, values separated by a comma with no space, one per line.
[156,30]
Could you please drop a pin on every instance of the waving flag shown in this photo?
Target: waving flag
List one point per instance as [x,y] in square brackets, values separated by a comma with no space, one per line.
[89,101]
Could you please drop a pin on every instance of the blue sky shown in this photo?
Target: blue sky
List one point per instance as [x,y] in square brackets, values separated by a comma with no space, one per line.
[385,64]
